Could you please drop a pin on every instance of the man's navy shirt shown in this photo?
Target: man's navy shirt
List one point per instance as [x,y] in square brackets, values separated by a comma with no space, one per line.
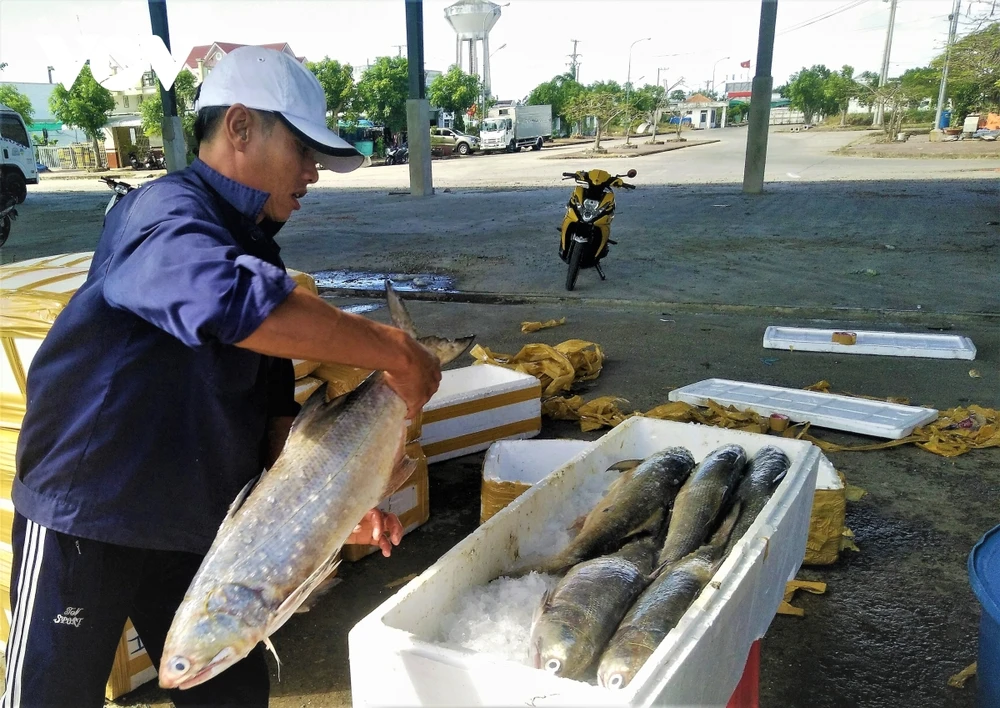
[143,420]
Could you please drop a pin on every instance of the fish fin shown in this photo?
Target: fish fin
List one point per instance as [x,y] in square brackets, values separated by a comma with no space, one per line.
[397,311]
[241,498]
[320,590]
[577,525]
[446,350]
[400,473]
[287,608]
[544,605]
[607,502]
[269,645]
[625,465]
[650,527]
[721,535]
[660,569]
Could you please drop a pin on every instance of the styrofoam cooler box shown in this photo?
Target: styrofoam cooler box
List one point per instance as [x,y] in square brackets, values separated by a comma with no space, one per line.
[699,663]
[478,405]
[512,467]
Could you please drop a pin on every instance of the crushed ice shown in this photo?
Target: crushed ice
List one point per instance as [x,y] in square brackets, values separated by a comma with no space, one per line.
[496,619]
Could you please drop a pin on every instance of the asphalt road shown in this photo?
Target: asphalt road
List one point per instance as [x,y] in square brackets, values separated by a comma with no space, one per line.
[700,271]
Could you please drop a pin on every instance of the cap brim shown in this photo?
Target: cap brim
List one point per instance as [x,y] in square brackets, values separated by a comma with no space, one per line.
[332,151]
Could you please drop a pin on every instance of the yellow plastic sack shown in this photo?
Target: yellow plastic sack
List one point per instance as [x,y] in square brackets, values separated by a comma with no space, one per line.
[527,327]
[557,368]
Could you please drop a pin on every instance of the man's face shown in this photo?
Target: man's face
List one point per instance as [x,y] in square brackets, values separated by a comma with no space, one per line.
[282,165]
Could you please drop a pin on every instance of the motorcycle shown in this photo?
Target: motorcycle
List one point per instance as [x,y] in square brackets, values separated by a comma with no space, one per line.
[119,188]
[8,213]
[397,154]
[586,229]
[151,162]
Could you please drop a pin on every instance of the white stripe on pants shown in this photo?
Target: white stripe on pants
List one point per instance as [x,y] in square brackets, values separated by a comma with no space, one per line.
[27,585]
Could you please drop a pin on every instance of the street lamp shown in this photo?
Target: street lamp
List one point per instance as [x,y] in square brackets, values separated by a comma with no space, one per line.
[628,86]
[713,71]
[497,50]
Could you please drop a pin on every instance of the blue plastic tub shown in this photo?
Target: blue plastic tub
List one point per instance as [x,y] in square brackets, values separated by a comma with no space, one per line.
[984,576]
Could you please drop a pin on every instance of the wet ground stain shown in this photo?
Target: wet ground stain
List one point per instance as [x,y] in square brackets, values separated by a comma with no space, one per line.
[375,282]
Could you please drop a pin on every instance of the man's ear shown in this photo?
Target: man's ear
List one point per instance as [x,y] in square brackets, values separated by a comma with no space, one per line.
[237,124]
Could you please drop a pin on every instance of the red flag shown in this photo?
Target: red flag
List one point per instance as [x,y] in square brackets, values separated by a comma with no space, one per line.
[745,64]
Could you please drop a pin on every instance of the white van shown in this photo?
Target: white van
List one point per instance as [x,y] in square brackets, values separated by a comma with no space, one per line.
[17,155]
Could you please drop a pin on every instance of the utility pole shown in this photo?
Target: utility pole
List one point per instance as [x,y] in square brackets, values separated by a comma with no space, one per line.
[399,49]
[574,65]
[658,70]
[760,101]
[884,76]
[174,144]
[418,121]
[952,31]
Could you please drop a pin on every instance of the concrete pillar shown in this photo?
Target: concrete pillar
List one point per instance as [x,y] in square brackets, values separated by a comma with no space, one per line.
[174,144]
[725,111]
[419,141]
[458,50]
[759,117]
[486,64]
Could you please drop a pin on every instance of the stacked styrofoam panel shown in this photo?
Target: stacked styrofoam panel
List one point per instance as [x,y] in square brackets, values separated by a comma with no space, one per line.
[477,405]
[826,410]
[699,663]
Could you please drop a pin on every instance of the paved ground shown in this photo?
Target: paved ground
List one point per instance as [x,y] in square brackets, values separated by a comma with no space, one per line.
[921,146]
[898,244]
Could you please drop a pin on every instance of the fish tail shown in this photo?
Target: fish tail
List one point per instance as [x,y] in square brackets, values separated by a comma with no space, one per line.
[446,350]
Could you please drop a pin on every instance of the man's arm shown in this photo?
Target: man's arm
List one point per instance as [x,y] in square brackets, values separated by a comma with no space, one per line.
[306,327]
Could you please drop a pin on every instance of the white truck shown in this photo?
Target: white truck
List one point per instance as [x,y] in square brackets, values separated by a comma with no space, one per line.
[511,128]
[17,155]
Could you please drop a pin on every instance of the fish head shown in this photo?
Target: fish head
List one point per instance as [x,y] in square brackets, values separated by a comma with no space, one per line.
[204,641]
[551,644]
[623,658]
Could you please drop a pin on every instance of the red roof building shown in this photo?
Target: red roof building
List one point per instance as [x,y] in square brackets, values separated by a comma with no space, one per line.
[202,58]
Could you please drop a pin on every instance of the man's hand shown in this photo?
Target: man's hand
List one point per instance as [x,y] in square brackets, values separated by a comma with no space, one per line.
[378,529]
[416,382]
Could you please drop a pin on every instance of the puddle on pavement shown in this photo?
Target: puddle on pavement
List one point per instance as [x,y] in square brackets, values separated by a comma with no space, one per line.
[403,282]
[361,309]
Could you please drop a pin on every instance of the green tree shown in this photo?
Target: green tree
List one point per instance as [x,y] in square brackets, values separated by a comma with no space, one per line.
[806,89]
[557,92]
[86,104]
[455,92]
[382,92]
[18,102]
[678,95]
[974,71]
[337,81]
[605,101]
[643,104]
[840,87]
[921,83]
[151,108]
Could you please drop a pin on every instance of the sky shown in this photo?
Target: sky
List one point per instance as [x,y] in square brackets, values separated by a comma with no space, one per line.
[687,39]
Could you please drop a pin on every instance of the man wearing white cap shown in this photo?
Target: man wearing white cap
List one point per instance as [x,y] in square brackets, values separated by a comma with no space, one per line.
[166,385]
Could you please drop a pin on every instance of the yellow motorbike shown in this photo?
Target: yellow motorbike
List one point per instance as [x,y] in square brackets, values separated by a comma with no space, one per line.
[586,228]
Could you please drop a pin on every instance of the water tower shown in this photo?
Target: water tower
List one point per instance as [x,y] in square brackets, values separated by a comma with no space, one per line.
[472,21]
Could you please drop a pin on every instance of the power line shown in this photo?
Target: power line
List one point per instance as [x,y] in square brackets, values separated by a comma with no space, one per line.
[824,16]
[574,65]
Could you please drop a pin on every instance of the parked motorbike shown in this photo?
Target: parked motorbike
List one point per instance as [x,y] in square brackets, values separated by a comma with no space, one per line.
[8,213]
[397,154]
[119,188]
[586,229]
[150,162]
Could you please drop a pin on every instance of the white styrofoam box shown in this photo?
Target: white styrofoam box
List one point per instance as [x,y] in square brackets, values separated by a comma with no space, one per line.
[478,405]
[827,410]
[528,461]
[928,346]
[699,663]
[826,475]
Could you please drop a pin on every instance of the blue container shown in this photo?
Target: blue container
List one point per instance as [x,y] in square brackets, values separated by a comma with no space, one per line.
[984,576]
[945,120]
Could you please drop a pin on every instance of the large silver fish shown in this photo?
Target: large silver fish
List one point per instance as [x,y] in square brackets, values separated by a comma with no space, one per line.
[279,539]
[625,509]
[579,615]
[660,608]
[765,471]
[701,501]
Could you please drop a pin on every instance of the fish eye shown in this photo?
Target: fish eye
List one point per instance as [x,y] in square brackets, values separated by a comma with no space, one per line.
[180,664]
[553,665]
[616,681]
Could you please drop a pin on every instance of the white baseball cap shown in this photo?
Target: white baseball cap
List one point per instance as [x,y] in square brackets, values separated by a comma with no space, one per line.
[268,80]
